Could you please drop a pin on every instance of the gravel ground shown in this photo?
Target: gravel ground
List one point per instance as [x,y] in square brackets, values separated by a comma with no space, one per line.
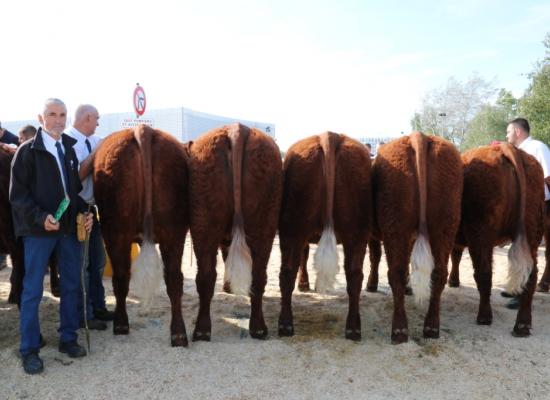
[468,361]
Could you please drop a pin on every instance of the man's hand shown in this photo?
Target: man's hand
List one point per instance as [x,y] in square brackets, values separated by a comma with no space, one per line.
[9,148]
[50,224]
[89,222]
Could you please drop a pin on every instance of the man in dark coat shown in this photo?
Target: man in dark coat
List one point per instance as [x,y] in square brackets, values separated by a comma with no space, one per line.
[45,172]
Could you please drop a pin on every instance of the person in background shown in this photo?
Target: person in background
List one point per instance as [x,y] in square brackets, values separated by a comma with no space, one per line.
[25,133]
[7,137]
[518,134]
[83,130]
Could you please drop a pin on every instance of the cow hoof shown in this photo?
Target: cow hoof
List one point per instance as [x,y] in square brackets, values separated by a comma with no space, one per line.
[286,330]
[408,291]
[201,336]
[431,333]
[484,320]
[261,334]
[121,329]
[353,334]
[521,330]
[227,287]
[399,336]
[179,340]
[372,289]
[542,287]
[304,287]
[454,283]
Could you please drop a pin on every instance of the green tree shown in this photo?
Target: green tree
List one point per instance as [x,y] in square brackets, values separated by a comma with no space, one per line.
[448,111]
[490,122]
[535,104]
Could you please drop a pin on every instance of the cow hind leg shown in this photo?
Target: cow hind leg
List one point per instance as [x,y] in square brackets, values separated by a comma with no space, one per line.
[171,256]
[353,265]
[257,326]
[119,249]
[303,277]
[291,253]
[375,255]
[438,279]
[544,284]
[456,256]
[54,277]
[206,280]
[522,327]
[398,255]
[482,260]
[226,284]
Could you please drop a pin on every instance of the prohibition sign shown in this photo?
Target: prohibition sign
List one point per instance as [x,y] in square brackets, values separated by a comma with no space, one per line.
[139,100]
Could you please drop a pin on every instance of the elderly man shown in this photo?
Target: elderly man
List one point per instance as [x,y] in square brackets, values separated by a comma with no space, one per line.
[45,172]
[518,134]
[85,122]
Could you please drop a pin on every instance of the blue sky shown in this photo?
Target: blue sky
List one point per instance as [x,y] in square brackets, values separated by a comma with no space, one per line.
[356,67]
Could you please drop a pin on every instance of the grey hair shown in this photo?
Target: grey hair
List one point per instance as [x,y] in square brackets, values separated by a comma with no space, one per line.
[50,101]
[83,110]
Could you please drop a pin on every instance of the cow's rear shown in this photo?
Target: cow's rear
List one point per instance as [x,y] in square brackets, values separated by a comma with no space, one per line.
[417,183]
[327,198]
[503,202]
[140,186]
[235,195]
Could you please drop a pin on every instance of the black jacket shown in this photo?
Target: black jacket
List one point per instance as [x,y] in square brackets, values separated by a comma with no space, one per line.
[9,138]
[36,188]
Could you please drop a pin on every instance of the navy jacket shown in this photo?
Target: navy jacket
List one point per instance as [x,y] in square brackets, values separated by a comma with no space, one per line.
[9,138]
[36,188]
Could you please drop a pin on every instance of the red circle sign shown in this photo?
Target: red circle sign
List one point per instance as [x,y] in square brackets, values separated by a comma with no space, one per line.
[139,100]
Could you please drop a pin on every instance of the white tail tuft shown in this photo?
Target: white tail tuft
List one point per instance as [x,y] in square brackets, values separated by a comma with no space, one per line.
[239,264]
[147,272]
[520,265]
[325,261]
[422,262]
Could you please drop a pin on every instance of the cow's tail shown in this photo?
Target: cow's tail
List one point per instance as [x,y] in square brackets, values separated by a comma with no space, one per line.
[147,269]
[422,260]
[325,260]
[520,262]
[239,260]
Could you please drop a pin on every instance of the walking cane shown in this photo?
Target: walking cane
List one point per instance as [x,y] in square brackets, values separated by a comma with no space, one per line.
[83,268]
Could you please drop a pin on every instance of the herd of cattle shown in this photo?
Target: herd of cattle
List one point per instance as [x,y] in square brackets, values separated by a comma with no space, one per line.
[419,198]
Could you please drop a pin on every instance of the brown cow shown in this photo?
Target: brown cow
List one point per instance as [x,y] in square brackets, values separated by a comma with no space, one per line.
[503,201]
[417,185]
[327,198]
[140,186]
[235,195]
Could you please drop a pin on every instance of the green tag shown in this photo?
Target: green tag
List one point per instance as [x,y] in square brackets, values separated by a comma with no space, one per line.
[61,209]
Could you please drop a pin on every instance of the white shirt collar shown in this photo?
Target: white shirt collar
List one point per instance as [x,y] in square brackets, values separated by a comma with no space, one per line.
[48,140]
[77,134]
[525,142]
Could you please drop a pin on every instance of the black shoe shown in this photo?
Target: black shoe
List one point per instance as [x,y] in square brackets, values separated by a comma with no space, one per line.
[32,364]
[95,324]
[103,314]
[513,304]
[504,293]
[72,349]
